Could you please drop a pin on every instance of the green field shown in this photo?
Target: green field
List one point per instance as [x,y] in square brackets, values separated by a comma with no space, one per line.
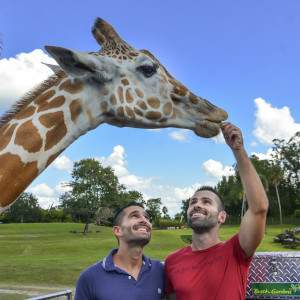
[51,255]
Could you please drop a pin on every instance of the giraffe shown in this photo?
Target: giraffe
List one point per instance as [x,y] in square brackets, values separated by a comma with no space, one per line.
[118,85]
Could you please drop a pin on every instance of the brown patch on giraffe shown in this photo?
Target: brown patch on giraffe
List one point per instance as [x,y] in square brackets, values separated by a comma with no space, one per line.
[142,104]
[130,112]
[56,102]
[28,137]
[180,90]
[139,93]
[163,120]
[113,99]
[125,81]
[104,106]
[6,133]
[44,97]
[120,112]
[175,99]
[71,87]
[75,109]
[25,113]
[58,130]
[16,175]
[153,115]
[129,97]
[167,108]
[153,102]
[193,98]
[63,76]
[120,94]
[138,112]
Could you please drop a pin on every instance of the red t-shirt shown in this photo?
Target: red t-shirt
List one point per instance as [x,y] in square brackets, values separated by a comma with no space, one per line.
[217,273]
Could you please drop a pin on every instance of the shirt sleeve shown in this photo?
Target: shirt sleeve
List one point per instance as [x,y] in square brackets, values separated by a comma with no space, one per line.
[239,251]
[83,290]
[169,289]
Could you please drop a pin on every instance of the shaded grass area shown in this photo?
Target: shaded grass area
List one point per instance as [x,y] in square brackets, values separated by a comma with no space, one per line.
[49,254]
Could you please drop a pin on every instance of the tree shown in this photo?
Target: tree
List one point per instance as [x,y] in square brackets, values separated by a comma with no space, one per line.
[165,212]
[153,209]
[25,210]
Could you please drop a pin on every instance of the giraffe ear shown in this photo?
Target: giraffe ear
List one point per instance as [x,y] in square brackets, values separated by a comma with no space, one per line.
[70,61]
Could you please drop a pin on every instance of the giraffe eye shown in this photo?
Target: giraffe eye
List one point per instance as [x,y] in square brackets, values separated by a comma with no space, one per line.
[147,70]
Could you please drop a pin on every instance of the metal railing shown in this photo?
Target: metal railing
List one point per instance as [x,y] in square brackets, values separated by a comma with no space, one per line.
[67,293]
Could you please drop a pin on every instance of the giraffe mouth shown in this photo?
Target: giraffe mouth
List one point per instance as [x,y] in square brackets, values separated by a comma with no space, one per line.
[207,128]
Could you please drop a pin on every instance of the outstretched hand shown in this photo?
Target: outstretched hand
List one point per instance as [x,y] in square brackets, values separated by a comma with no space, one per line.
[233,136]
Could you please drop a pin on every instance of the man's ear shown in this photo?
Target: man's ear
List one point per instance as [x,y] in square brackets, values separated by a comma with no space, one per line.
[222,217]
[116,231]
[81,65]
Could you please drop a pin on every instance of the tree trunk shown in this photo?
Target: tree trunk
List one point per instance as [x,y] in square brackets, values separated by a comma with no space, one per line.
[86,228]
[279,204]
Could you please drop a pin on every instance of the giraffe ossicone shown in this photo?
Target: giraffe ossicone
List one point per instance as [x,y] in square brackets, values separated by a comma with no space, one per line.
[118,85]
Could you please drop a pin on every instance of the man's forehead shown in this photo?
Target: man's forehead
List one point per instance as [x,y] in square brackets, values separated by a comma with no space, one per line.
[205,194]
[132,208]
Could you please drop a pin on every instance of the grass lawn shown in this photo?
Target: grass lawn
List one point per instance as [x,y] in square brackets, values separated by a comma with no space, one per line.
[50,255]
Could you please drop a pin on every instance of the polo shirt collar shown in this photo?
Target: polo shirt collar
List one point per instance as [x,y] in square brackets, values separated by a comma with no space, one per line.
[108,263]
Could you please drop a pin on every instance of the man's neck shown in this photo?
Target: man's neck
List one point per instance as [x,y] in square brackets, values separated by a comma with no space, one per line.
[129,258]
[202,241]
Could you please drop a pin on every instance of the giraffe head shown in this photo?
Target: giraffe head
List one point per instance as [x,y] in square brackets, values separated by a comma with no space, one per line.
[131,88]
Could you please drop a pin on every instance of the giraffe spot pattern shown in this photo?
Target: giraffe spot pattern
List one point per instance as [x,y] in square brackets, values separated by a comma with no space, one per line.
[75,109]
[120,112]
[139,93]
[138,112]
[130,112]
[125,81]
[104,106]
[153,102]
[15,174]
[167,108]
[120,94]
[141,104]
[25,113]
[104,91]
[44,97]
[58,130]
[28,137]
[113,99]
[193,98]
[175,98]
[180,90]
[52,158]
[56,102]
[71,87]
[129,97]
[6,133]
[153,115]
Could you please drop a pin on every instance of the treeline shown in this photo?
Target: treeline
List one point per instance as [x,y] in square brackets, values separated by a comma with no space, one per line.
[95,193]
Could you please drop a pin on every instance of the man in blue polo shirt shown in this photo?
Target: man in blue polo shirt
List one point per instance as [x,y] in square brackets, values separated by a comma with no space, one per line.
[125,273]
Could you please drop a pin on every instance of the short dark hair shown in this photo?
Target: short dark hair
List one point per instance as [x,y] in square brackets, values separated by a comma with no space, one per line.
[120,212]
[213,190]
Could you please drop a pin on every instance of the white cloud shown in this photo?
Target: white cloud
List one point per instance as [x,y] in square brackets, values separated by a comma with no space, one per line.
[20,74]
[179,135]
[272,122]
[45,195]
[263,156]
[216,169]
[63,163]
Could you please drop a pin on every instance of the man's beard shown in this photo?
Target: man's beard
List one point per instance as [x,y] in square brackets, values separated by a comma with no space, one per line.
[203,225]
[135,240]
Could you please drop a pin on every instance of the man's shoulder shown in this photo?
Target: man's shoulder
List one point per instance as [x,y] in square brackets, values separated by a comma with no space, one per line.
[178,252]
[92,271]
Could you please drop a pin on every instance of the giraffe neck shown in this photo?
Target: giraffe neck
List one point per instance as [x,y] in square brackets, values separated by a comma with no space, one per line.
[39,131]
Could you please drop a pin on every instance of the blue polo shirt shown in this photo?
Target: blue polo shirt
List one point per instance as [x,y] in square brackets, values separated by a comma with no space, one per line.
[105,281]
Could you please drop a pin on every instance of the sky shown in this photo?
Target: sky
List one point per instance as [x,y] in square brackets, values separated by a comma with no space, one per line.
[243,56]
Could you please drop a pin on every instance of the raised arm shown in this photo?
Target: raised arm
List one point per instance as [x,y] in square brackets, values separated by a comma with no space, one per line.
[253,223]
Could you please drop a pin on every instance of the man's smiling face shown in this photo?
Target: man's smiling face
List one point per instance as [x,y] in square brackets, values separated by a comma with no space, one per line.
[135,227]
[204,211]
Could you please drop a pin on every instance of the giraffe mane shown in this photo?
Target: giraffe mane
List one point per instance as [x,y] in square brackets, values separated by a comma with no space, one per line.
[29,96]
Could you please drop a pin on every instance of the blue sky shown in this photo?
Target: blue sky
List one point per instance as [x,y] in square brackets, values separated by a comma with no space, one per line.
[242,56]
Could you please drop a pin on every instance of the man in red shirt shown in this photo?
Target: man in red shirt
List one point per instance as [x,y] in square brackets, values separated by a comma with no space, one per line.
[211,269]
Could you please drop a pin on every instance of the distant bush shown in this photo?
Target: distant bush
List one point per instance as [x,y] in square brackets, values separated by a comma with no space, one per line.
[168,224]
